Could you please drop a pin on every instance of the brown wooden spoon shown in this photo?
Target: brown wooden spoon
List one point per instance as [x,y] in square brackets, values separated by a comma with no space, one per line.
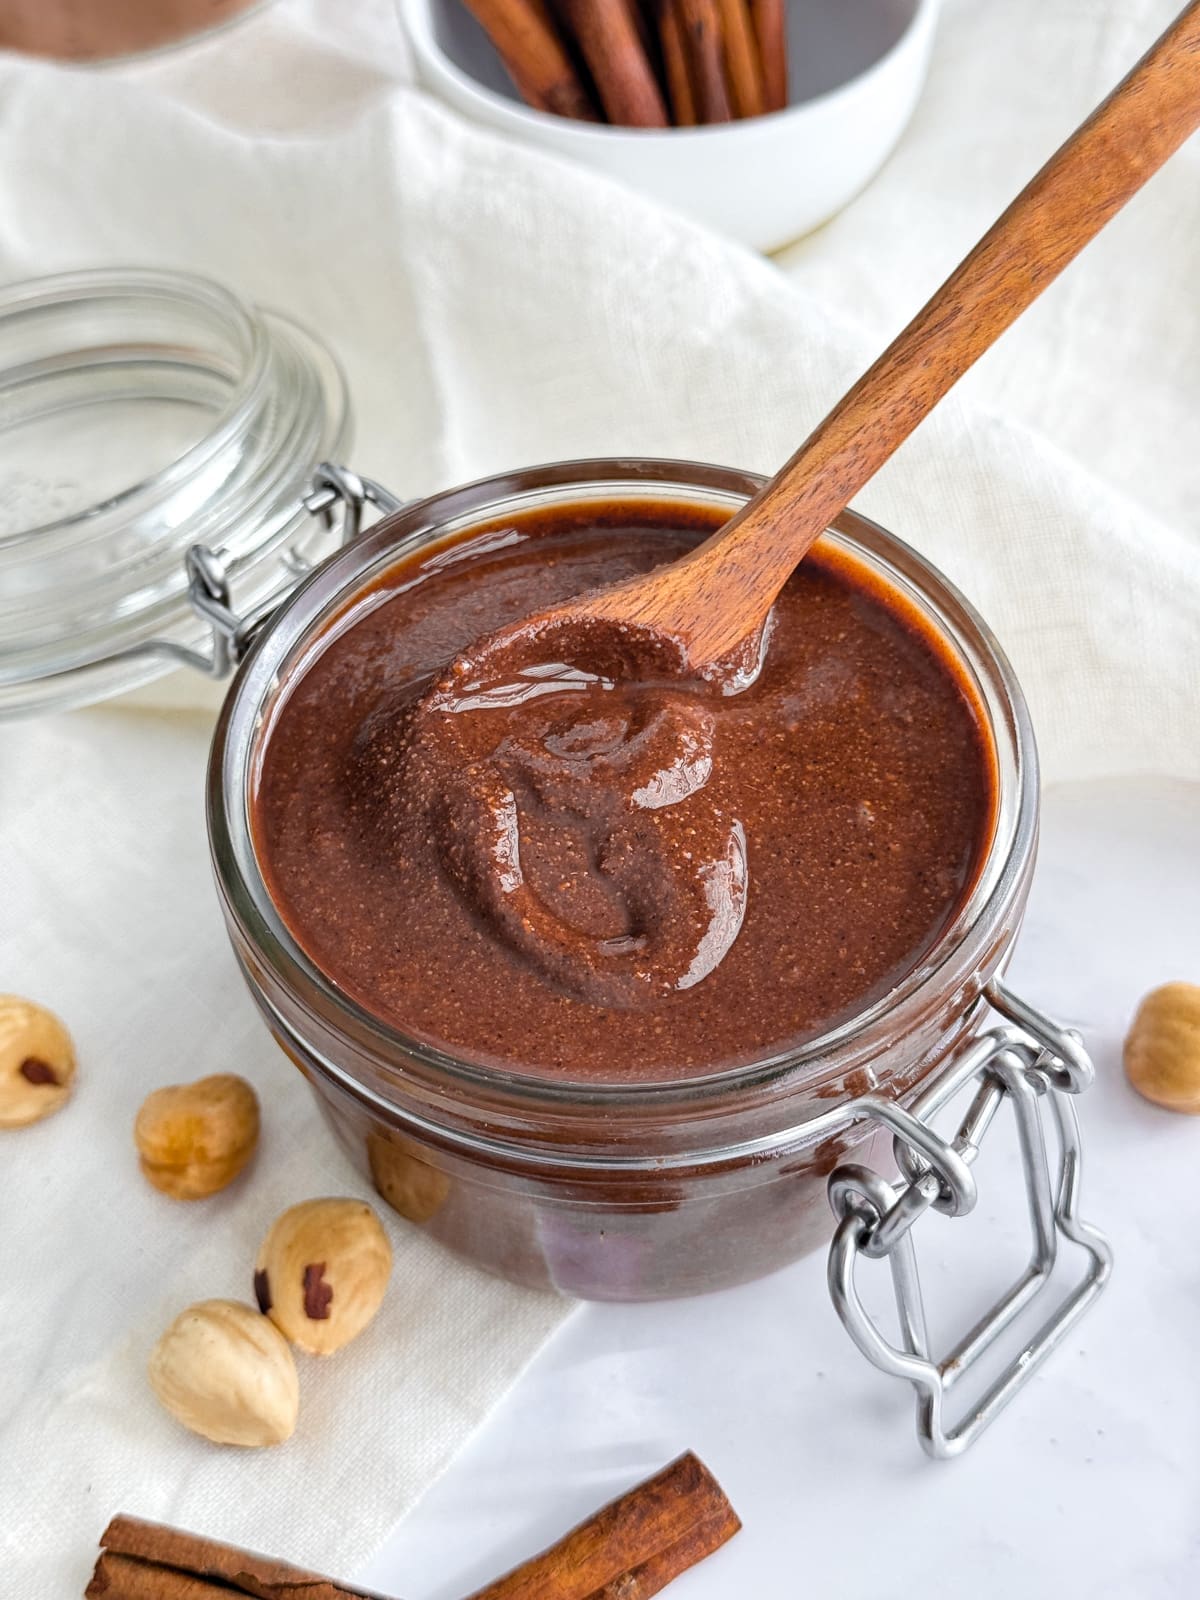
[703,616]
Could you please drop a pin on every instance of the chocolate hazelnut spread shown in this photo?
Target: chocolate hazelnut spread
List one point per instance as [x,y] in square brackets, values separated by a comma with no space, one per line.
[578,877]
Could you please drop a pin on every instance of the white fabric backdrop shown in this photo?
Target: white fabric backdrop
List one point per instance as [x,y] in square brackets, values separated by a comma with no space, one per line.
[493,308]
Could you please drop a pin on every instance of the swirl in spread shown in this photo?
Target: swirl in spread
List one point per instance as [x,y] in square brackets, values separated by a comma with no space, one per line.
[570,811]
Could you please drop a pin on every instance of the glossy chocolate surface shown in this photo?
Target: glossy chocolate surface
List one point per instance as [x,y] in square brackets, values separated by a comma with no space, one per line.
[612,882]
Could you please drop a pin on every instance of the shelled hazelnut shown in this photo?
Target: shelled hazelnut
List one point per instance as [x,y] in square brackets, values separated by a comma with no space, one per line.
[193,1139]
[322,1272]
[224,1371]
[1162,1047]
[37,1062]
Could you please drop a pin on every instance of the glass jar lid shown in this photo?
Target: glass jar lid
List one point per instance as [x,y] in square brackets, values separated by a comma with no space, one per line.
[143,413]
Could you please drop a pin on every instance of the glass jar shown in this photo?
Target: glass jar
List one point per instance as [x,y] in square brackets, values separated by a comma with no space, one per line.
[603,1191]
[163,500]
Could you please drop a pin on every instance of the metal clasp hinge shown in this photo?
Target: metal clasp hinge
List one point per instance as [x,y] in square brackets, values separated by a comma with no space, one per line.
[335,490]
[1031,1064]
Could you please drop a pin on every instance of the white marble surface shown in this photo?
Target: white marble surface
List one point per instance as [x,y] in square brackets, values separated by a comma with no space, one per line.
[1088,1485]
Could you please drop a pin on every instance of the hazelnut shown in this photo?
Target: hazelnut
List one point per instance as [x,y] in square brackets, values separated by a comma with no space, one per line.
[194,1138]
[406,1181]
[1162,1047]
[322,1272]
[37,1062]
[225,1372]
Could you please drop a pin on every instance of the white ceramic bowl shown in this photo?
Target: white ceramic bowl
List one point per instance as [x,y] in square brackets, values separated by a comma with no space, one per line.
[857,67]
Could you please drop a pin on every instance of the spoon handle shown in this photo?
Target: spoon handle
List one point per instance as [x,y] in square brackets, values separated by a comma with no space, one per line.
[1101,166]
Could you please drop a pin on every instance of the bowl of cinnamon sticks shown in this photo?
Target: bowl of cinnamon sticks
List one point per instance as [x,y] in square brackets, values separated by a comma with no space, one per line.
[760,118]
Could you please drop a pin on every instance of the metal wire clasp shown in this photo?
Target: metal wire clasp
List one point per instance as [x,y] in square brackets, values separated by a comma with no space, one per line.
[335,491]
[1030,1064]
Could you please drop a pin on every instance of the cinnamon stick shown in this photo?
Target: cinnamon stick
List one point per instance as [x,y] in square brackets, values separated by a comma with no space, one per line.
[632,1546]
[640,1582]
[675,64]
[611,45]
[629,1550]
[166,1560]
[643,21]
[122,1578]
[742,59]
[702,31]
[534,56]
[770,26]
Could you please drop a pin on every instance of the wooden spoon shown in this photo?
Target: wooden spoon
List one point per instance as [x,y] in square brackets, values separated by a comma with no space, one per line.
[704,614]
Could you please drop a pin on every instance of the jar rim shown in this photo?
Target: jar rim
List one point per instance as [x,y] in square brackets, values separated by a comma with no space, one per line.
[329,592]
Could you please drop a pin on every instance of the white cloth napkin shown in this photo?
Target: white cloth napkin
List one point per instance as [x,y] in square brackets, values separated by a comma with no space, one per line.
[495,308]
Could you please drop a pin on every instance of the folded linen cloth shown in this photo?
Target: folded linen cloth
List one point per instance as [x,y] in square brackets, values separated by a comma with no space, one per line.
[494,308]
